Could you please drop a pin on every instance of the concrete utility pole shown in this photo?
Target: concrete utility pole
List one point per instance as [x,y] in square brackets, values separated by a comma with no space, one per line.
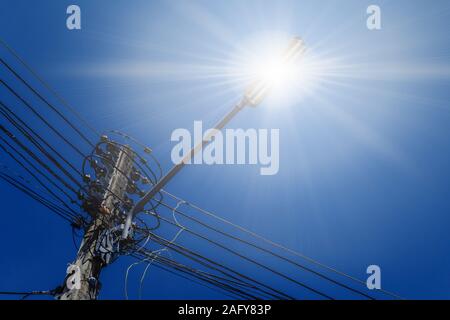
[89,263]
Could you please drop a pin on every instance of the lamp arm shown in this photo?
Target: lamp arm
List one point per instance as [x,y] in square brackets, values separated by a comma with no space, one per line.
[139,206]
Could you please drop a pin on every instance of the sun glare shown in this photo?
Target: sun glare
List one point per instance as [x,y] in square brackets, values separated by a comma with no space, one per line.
[283,71]
[274,71]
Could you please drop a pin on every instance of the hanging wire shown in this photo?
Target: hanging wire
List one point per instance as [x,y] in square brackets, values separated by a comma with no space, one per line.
[263,250]
[49,88]
[277,245]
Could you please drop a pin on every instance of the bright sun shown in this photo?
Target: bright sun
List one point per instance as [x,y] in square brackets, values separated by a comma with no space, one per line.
[278,64]
[274,71]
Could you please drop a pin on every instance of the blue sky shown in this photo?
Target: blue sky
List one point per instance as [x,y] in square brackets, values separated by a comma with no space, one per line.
[364,152]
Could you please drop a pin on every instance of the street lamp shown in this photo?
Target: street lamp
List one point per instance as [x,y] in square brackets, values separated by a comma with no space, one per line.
[274,73]
[270,75]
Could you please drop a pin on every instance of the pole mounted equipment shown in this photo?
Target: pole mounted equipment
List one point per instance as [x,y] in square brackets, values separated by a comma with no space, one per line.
[101,240]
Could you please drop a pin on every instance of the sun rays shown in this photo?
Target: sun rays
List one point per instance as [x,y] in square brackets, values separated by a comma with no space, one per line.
[208,58]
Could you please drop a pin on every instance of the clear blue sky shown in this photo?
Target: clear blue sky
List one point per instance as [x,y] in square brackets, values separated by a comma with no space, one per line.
[364,163]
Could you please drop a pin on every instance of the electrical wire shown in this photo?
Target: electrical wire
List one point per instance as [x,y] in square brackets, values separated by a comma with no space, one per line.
[216,266]
[48,87]
[35,158]
[30,165]
[27,294]
[208,278]
[192,279]
[39,181]
[244,257]
[263,250]
[65,119]
[14,119]
[42,118]
[277,245]
[40,148]
[22,187]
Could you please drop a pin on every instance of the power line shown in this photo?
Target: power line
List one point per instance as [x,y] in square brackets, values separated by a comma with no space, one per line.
[48,87]
[245,292]
[35,157]
[228,280]
[47,103]
[27,294]
[39,181]
[25,189]
[40,148]
[32,166]
[192,278]
[277,245]
[33,110]
[194,256]
[261,249]
[278,273]
[17,121]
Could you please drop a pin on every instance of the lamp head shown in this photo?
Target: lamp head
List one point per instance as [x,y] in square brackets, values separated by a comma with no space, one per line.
[274,73]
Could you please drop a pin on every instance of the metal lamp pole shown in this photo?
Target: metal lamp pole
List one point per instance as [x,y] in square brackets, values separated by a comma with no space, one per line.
[253,97]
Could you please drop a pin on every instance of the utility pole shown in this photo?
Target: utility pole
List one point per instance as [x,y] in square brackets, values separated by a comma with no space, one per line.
[90,261]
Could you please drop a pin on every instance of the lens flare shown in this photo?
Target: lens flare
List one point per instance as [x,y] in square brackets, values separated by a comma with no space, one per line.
[274,71]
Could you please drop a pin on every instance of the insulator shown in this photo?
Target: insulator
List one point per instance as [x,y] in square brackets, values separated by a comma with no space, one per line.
[87,178]
[128,204]
[96,186]
[98,150]
[93,282]
[104,138]
[131,188]
[135,175]
[147,150]
[99,171]
[93,163]
[111,147]
[145,180]
[107,159]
